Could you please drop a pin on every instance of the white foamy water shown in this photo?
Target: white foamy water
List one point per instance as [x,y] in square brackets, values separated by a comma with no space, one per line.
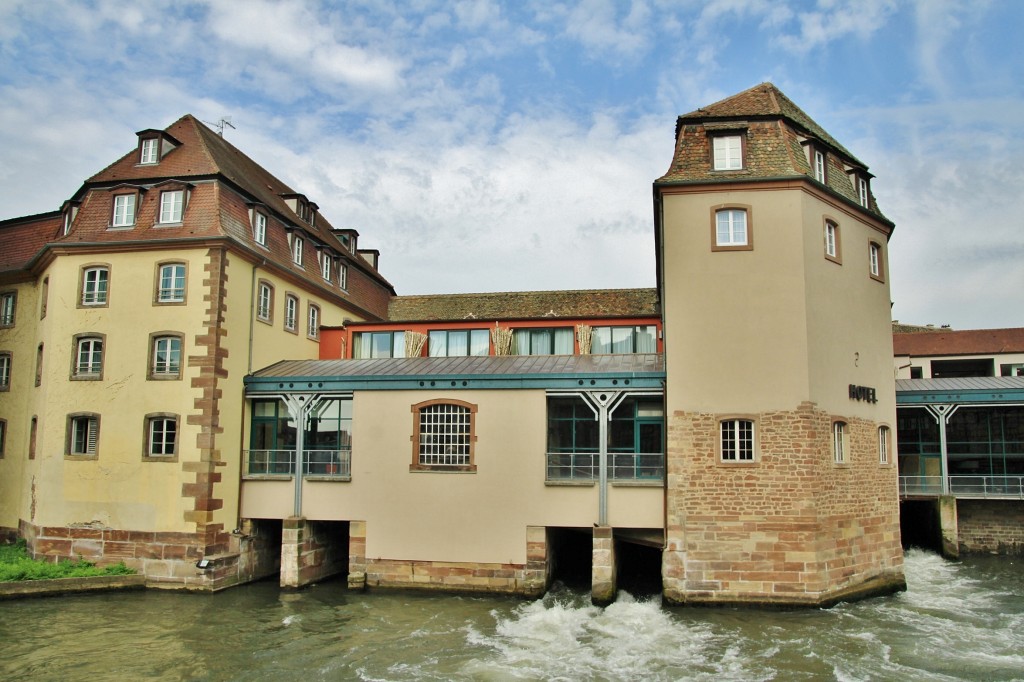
[957,621]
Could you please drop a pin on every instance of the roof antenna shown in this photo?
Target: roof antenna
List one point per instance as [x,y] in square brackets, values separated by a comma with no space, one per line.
[219,125]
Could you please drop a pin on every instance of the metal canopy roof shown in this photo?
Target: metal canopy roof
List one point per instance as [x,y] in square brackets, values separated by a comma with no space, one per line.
[967,390]
[604,372]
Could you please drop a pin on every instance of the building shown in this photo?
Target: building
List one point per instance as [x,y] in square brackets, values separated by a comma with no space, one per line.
[960,406]
[734,423]
[130,318]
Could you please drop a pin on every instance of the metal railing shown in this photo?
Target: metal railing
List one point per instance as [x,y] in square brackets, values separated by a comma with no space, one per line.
[964,486]
[333,463]
[641,466]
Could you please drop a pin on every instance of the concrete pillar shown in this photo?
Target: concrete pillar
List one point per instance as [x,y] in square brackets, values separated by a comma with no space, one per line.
[538,569]
[948,527]
[357,555]
[602,571]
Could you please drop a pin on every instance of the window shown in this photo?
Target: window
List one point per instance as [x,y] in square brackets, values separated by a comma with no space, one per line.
[291,313]
[259,229]
[83,435]
[44,297]
[325,266]
[171,206]
[124,210]
[8,304]
[832,243]
[884,443]
[728,152]
[378,345]
[88,363]
[557,341]
[313,319]
[149,150]
[32,430]
[5,371]
[3,435]
[39,365]
[443,436]
[297,250]
[839,444]
[862,192]
[917,372]
[1011,370]
[736,440]
[634,441]
[454,342]
[94,286]
[875,261]
[161,436]
[819,165]
[343,276]
[638,339]
[165,357]
[731,229]
[171,283]
[265,302]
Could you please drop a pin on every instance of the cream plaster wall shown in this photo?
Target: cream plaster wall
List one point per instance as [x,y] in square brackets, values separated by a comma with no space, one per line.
[459,517]
[735,331]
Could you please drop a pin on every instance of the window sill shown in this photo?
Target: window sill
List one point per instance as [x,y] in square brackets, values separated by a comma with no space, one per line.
[80,457]
[570,483]
[159,458]
[159,302]
[264,320]
[119,228]
[327,478]
[638,483]
[427,469]
[738,463]
[177,224]
[267,477]
[164,377]
[86,377]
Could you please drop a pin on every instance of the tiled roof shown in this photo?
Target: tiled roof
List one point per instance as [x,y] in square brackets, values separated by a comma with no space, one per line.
[774,129]
[965,342]
[23,238]
[526,304]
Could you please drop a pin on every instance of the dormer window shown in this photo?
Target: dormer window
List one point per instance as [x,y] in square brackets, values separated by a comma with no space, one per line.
[727,152]
[124,211]
[343,276]
[297,250]
[171,206]
[259,228]
[819,165]
[325,266]
[862,191]
[149,150]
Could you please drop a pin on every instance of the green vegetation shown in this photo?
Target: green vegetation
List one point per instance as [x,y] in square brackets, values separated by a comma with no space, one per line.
[15,564]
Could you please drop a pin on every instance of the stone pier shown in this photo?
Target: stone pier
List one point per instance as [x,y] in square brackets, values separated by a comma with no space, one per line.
[948,527]
[357,555]
[602,572]
[311,551]
[538,569]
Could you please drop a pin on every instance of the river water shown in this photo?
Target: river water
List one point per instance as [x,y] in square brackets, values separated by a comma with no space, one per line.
[956,621]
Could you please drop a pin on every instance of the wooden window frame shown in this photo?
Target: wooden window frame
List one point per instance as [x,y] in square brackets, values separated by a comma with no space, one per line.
[713,139]
[840,442]
[720,451]
[876,261]
[83,272]
[266,316]
[5,382]
[7,320]
[158,284]
[151,372]
[69,438]
[836,257]
[79,339]
[147,448]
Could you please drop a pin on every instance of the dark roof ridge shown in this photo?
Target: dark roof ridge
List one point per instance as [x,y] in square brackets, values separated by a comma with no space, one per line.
[538,292]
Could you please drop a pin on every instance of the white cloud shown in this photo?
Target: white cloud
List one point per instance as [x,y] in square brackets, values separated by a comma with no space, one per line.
[597,25]
[836,19]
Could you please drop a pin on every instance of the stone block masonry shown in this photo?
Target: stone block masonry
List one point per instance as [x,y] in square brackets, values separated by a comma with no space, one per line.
[791,527]
[312,551]
[991,526]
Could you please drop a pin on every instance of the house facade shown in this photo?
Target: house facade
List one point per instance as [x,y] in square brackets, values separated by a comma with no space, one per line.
[255,399]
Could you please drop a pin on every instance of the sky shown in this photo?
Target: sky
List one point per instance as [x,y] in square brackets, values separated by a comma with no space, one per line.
[512,146]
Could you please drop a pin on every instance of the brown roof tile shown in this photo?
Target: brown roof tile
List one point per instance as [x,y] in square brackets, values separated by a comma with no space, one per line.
[526,304]
[965,342]
[23,238]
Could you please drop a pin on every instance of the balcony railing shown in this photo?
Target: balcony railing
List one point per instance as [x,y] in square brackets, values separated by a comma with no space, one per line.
[642,466]
[963,486]
[331,463]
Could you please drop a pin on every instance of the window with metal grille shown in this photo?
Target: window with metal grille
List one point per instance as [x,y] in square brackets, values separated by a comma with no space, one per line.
[171,286]
[839,445]
[444,435]
[94,286]
[89,357]
[8,304]
[166,359]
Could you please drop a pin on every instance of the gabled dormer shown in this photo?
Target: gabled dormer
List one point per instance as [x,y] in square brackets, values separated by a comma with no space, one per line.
[348,239]
[68,213]
[154,145]
[301,206]
[860,178]
[125,200]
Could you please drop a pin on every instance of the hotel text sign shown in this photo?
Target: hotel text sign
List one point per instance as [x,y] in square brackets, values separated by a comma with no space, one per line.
[864,393]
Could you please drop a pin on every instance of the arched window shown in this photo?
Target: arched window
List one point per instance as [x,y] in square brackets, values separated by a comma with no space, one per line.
[443,436]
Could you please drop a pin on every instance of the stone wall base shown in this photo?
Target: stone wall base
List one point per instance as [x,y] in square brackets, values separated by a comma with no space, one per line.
[450,576]
[312,551]
[991,526]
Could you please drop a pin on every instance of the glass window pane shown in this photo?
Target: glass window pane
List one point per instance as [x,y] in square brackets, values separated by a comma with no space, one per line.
[437,344]
[564,339]
[601,340]
[479,342]
[622,339]
[458,343]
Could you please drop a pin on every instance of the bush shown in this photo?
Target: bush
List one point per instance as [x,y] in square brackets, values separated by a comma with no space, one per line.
[15,564]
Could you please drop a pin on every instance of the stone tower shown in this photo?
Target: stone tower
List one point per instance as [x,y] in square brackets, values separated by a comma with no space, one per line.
[780,397]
